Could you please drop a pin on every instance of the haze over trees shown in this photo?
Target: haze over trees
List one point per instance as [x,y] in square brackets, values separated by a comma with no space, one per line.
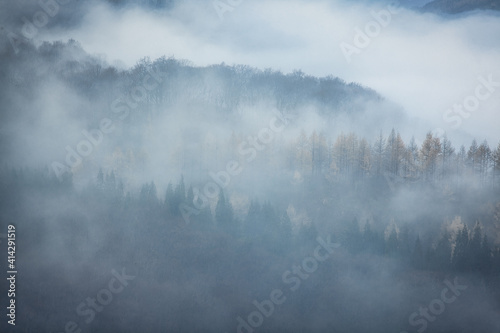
[220,189]
[415,212]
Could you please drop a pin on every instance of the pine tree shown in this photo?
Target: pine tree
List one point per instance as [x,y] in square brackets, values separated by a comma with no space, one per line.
[429,154]
[485,258]
[271,220]
[252,224]
[476,249]
[417,257]
[319,153]
[461,250]
[224,216]
[404,249]
[390,151]
[364,159]
[394,151]
[111,180]
[446,152]
[341,156]
[378,154]
[495,156]
[410,161]
[177,197]
[352,149]
[170,200]
[398,152]
[461,161]
[148,196]
[303,154]
[285,228]
[352,237]
[472,158]
[392,244]
[483,160]
[190,196]
[441,259]
[372,241]
[100,179]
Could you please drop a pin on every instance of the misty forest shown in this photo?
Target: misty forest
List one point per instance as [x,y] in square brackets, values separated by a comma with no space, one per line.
[221,184]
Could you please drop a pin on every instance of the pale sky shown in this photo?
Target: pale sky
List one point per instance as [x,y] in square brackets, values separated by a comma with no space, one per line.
[423,62]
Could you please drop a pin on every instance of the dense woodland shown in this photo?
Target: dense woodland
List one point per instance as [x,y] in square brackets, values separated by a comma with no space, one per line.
[408,214]
[219,256]
[355,165]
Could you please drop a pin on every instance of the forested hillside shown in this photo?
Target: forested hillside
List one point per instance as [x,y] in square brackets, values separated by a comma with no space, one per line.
[190,166]
[405,217]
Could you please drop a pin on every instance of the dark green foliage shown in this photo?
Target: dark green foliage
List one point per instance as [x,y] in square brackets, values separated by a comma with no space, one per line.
[461,253]
[166,251]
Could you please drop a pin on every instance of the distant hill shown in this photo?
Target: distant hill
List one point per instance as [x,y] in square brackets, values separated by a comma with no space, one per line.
[460,6]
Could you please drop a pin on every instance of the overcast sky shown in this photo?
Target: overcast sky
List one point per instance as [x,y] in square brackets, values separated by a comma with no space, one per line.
[423,62]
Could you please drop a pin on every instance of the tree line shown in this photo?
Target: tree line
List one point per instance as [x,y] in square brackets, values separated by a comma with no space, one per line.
[351,157]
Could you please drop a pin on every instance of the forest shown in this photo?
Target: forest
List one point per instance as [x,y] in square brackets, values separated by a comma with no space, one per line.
[255,194]
[233,246]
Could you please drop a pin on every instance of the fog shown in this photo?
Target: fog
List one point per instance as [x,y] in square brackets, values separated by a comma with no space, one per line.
[415,55]
[249,166]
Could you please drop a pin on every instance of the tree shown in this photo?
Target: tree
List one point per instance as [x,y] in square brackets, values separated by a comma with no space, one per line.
[178,197]
[429,153]
[352,154]
[483,160]
[190,196]
[148,196]
[496,165]
[110,183]
[472,157]
[170,200]
[394,151]
[390,153]
[224,217]
[461,161]
[270,220]
[475,248]
[364,159]
[417,256]
[392,244]
[319,153]
[441,254]
[285,228]
[252,224]
[341,156]
[485,258]
[303,155]
[446,152]
[461,250]
[352,237]
[378,154]
[100,179]
[404,249]
[411,167]
[372,241]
